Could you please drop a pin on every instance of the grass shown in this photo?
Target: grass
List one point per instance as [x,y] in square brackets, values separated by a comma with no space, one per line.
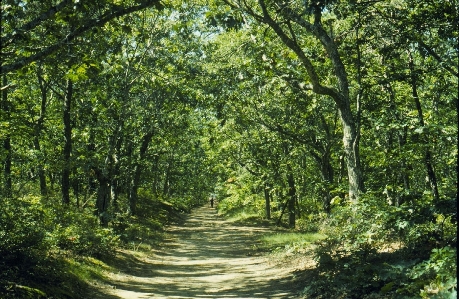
[282,240]
[58,265]
[290,241]
[86,268]
[246,218]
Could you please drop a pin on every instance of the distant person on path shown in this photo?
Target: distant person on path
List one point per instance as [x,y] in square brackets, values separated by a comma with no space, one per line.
[212,201]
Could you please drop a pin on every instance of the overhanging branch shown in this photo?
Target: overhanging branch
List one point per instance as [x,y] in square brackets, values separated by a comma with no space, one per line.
[88,25]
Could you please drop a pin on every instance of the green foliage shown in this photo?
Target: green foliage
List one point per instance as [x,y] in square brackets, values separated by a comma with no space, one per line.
[372,247]
[240,199]
[169,104]
[437,276]
[311,222]
[291,242]
[36,239]
[23,237]
[85,237]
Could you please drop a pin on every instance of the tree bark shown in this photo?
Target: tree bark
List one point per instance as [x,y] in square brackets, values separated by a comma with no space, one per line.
[291,197]
[431,176]
[135,181]
[103,197]
[403,174]
[267,201]
[340,95]
[38,129]
[5,106]
[66,167]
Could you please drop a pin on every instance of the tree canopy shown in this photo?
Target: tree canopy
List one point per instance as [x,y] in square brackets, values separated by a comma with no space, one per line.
[337,114]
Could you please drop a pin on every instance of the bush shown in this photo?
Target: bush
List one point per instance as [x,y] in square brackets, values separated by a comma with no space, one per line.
[354,262]
[81,234]
[311,223]
[437,275]
[22,231]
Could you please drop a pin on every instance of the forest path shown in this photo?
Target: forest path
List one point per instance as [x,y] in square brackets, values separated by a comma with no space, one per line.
[206,257]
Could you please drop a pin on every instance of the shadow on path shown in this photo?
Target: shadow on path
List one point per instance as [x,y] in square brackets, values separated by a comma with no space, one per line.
[205,257]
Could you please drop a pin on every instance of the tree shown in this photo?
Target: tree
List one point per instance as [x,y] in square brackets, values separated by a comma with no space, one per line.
[61,23]
[284,20]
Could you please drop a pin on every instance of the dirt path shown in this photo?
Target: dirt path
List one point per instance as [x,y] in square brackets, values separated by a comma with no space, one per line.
[206,257]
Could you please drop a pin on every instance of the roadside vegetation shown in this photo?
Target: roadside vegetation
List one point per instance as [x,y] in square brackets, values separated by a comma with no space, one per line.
[55,252]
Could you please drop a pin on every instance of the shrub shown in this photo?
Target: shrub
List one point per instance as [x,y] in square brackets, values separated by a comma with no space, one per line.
[352,264]
[81,234]
[22,230]
[437,275]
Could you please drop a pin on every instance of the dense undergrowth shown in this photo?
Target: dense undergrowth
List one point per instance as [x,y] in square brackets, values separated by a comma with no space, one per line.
[53,251]
[375,250]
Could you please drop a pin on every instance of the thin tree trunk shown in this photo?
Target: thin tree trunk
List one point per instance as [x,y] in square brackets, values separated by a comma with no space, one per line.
[291,196]
[113,164]
[267,201]
[155,174]
[166,179]
[65,180]
[403,175]
[7,184]
[133,195]
[40,168]
[38,129]
[103,197]
[432,178]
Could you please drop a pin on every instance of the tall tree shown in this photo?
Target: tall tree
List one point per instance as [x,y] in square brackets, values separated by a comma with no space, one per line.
[5,110]
[288,23]
[20,24]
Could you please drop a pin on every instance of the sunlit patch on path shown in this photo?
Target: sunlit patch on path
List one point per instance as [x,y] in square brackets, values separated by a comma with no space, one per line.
[206,257]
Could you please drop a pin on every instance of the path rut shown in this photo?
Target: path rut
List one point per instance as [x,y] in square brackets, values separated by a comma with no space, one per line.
[206,257]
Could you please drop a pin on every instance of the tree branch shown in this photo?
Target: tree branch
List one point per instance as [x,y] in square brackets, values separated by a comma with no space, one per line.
[438,58]
[88,25]
[317,87]
[7,40]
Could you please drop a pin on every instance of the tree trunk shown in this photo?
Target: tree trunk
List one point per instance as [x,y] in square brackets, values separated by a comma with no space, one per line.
[291,197]
[114,164]
[132,209]
[432,178]
[402,173]
[351,154]
[114,186]
[7,184]
[155,186]
[65,180]
[103,197]
[38,129]
[135,181]
[166,186]
[267,201]
[40,168]
[340,95]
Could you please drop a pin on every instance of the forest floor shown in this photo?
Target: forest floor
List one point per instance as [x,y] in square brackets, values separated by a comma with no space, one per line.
[207,256]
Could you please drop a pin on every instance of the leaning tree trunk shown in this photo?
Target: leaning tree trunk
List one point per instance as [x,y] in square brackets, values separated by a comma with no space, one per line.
[352,155]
